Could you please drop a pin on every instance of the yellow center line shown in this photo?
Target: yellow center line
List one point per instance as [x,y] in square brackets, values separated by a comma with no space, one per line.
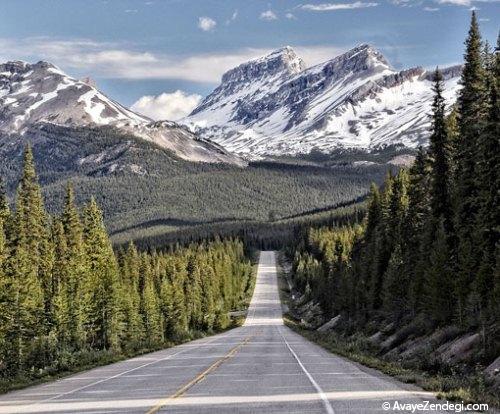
[179,393]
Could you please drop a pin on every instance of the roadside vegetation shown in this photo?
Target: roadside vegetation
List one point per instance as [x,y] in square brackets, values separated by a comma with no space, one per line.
[68,301]
[414,288]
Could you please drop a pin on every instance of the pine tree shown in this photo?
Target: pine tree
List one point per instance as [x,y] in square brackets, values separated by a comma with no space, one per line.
[25,265]
[488,182]
[439,157]
[395,286]
[416,222]
[439,299]
[4,204]
[63,306]
[103,315]
[131,299]
[472,108]
[193,293]
[152,315]
[74,271]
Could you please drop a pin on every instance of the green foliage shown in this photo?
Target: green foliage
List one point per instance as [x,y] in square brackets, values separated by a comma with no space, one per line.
[65,294]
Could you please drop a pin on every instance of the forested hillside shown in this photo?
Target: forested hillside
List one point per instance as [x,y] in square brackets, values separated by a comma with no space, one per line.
[423,267]
[145,190]
[67,300]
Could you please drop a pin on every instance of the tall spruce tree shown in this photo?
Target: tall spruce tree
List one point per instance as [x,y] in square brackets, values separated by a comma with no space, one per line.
[472,109]
[25,265]
[416,222]
[74,268]
[438,299]
[488,182]
[103,315]
[439,157]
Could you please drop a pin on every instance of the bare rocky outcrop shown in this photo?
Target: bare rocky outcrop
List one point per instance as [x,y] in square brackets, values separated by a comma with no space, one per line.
[459,350]
[331,324]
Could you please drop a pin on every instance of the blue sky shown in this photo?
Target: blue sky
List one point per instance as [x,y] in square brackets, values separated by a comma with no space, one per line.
[134,48]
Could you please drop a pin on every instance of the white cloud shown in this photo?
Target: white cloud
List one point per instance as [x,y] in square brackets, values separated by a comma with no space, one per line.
[118,61]
[337,6]
[462,3]
[206,23]
[290,16]
[131,11]
[456,2]
[233,17]
[167,106]
[431,9]
[268,15]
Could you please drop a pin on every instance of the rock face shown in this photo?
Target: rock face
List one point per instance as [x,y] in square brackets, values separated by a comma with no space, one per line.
[32,94]
[332,323]
[276,106]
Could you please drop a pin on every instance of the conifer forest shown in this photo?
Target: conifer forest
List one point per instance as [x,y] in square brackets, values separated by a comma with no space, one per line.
[67,299]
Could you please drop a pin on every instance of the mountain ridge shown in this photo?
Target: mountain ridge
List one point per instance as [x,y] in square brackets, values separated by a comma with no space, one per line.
[355,100]
[38,93]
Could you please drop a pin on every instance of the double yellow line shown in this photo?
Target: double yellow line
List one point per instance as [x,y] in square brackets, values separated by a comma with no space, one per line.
[179,393]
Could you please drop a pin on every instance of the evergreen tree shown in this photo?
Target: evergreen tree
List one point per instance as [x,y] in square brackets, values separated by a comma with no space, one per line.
[73,268]
[152,315]
[439,286]
[193,293]
[439,157]
[415,237]
[472,108]
[63,306]
[488,182]
[131,299]
[4,204]
[103,316]
[25,265]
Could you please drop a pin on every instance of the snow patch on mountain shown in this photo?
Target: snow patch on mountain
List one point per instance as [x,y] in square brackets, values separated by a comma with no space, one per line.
[32,94]
[274,105]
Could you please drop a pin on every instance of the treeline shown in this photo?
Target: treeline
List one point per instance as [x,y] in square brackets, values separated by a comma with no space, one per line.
[258,235]
[428,248]
[66,298]
[145,190]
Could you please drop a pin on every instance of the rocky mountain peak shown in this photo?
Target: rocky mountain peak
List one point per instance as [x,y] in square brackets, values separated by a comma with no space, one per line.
[283,61]
[360,59]
[41,94]
[274,106]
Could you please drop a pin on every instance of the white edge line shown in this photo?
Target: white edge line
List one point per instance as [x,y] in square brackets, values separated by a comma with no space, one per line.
[326,403]
[121,373]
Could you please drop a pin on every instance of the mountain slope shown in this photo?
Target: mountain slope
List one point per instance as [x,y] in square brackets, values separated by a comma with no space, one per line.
[143,190]
[31,94]
[275,106]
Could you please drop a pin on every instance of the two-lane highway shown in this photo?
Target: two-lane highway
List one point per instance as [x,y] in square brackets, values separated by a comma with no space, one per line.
[261,367]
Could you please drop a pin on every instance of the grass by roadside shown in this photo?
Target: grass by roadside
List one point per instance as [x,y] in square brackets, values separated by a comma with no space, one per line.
[470,389]
[86,360]
[239,319]
[453,387]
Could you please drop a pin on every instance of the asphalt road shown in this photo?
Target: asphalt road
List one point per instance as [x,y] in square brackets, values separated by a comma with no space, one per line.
[261,367]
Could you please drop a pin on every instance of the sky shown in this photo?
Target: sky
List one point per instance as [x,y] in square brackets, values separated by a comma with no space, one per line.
[160,57]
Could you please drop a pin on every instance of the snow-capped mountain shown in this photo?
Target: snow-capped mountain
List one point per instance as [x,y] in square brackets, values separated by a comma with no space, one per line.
[37,93]
[274,105]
